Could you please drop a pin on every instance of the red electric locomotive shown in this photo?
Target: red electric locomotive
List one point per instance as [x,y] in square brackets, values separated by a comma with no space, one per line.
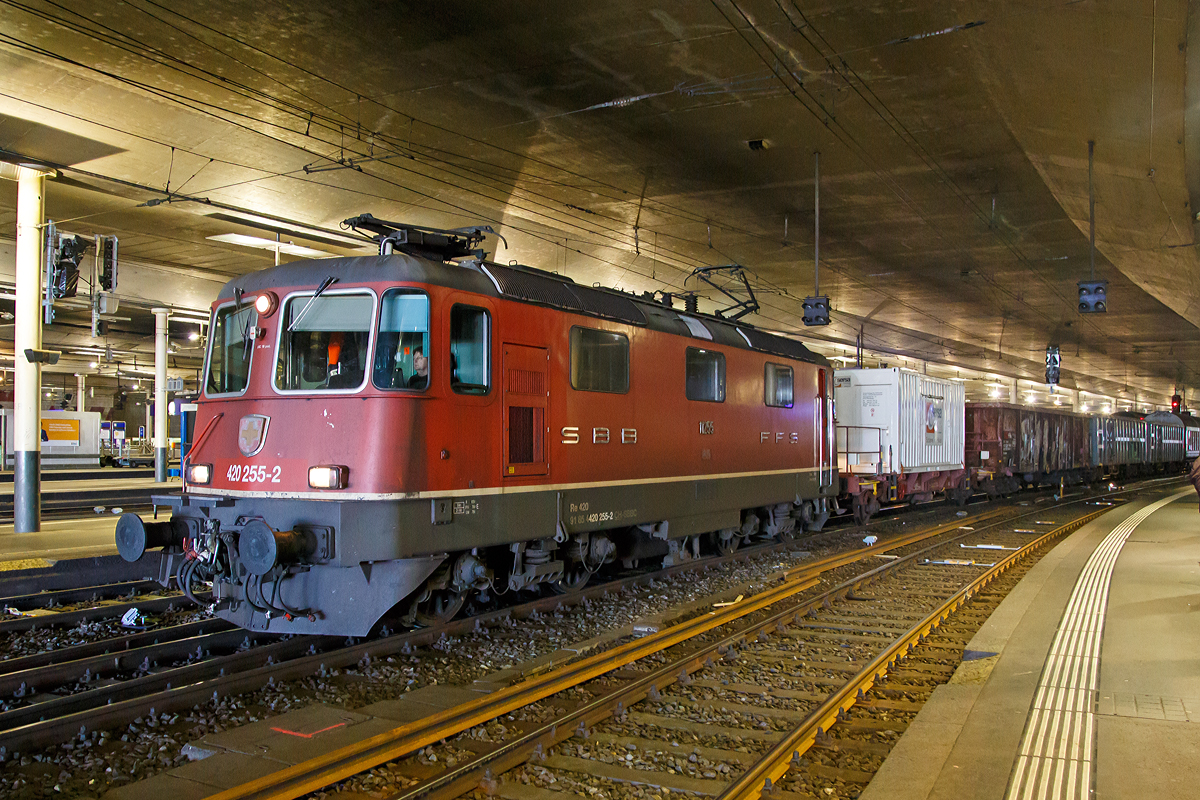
[418,426]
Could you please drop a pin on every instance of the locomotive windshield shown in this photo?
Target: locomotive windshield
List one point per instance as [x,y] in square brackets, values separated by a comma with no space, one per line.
[402,352]
[232,345]
[323,342]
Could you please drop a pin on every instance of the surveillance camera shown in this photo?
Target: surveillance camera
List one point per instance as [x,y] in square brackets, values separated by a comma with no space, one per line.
[42,356]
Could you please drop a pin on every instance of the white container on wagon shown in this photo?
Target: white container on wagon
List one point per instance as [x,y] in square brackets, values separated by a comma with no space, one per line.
[892,421]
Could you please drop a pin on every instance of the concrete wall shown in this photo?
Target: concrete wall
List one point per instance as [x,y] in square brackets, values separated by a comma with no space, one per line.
[85,454]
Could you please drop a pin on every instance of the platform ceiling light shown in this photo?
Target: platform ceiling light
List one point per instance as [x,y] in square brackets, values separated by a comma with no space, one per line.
[260,243]
[196,317]
[11,170]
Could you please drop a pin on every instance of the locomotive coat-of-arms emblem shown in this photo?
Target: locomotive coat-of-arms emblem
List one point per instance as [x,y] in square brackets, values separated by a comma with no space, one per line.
[252,433]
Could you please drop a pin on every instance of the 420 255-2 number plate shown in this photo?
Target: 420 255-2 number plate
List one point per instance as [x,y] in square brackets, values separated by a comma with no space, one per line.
[253,473]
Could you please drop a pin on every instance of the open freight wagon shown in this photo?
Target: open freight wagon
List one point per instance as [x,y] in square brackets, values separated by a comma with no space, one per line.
[1010,446]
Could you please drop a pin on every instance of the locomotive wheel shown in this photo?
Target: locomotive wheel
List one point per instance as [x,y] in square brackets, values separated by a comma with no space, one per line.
[727,541]
[439,607]
[574,578]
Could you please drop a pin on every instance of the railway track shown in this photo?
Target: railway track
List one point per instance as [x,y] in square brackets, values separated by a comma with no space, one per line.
[46,698]
[843,760]
[723,703]
[50,697]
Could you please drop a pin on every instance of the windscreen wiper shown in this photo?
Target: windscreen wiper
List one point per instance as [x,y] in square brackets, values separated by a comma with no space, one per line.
[325,284]
[247,329]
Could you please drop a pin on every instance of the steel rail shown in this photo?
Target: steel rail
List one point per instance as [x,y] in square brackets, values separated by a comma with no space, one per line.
[774,764]
[16,681]
[184,687]
[15,723]
[113,646]
[82,594]
[308,776]
[352,759]
[403,739]
[468,775]
[162,601]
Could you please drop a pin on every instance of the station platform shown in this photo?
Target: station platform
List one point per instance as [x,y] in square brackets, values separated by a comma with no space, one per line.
[1084,683]
[83,495]
[83,534]
[59,539]
[89,473]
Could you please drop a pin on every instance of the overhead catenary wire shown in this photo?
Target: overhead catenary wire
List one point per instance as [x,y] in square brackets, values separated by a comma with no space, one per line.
[877,105]
[662,252]
[203,107]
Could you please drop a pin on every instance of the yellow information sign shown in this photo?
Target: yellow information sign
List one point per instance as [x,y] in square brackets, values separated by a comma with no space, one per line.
[60,432]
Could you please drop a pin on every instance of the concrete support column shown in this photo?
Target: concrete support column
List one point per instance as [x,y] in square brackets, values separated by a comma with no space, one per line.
[27,405]
[1013,391]
[80,388]
[160,394]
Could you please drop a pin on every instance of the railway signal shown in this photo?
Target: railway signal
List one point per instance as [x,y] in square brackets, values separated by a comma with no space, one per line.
[107,268]
[1093,297]
[1053,364]
[1176,403]
[816,310]
[61,257]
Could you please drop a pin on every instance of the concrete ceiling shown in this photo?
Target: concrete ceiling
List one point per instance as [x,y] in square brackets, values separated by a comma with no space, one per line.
[611,142]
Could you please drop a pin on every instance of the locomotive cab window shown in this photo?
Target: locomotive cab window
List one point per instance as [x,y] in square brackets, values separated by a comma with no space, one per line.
[402,353]
[599,361]
[778,385]
[470,346]
[232,345]
[705,375]
[323,342]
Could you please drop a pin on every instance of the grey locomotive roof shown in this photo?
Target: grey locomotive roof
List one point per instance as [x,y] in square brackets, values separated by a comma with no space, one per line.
[521,284]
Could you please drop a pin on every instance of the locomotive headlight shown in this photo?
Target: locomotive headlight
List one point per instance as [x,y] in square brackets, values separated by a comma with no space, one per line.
[266,303]
[329,477]
[199,474]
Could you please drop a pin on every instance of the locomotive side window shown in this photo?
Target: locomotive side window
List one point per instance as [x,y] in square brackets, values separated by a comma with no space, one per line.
[705,375]
[323,342]
[402,352]
[599,361]
[470,344]
[232,346]
[778,384]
